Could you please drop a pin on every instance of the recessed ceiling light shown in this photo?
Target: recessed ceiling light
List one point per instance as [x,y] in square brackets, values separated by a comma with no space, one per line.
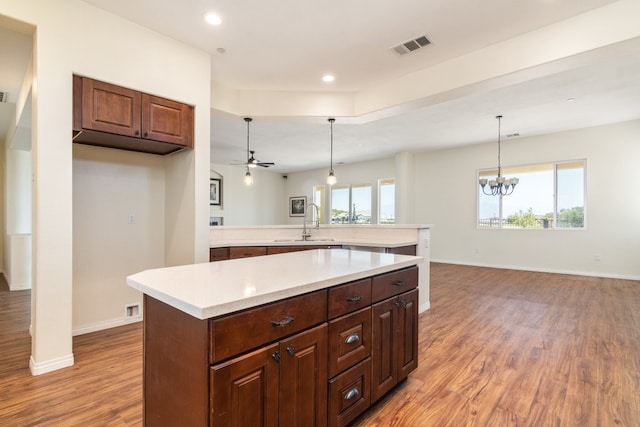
[213,18]
[571,99]
[221,50]
[328,78]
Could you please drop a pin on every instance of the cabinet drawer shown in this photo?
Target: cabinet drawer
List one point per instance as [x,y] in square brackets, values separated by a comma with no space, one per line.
[237,333]
[394,283]
[344,299]
[349,340]
[246,251]
[218,254]
[349,394]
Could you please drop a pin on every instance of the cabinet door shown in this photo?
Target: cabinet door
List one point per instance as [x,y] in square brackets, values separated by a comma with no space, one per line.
[244,390]
[110,108]
[407,333]
[167,121]
[218,254]
[384,348]
[303,379]
[246,251]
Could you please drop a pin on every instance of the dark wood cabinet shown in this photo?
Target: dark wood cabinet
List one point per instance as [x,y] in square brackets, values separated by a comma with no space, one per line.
[394,341]
[316,359]
[218,254]
[246,390]
[402,250]
[168,121]
[112,116]
[246,251]
[303,379]
[280,384]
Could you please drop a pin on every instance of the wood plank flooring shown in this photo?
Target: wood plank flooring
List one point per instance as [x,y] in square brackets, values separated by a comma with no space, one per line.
[497,348]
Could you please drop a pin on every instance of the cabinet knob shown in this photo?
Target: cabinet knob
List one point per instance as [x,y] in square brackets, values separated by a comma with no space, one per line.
[354,298]
[282,322]
[291,350]
[353,338]
[399,283]
[352,394]
[276,356]
[401,303]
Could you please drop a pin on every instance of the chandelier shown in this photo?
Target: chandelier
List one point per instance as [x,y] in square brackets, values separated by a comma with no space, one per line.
[500,186]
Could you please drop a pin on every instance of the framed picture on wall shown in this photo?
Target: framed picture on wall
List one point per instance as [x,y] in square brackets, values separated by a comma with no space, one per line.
[215,191]
[297,205]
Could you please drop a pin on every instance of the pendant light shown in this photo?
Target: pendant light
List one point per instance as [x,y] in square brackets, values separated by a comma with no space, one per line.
[500,186]
[248,178]
[331,179]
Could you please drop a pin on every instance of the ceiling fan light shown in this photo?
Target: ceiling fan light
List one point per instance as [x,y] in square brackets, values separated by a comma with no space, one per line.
[248,178]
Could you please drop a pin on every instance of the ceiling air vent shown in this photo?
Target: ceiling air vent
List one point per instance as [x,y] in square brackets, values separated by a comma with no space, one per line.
[412,45]
[3,96]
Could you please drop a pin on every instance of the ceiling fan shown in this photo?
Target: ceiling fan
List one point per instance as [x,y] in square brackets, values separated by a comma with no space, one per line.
[252,162]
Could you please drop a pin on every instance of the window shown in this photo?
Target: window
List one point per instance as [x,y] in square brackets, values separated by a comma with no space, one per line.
[387,201]
[351,204]
[318,199]
[549,195]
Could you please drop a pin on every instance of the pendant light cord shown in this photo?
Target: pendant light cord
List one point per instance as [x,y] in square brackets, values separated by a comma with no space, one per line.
[331,120]
[499,167]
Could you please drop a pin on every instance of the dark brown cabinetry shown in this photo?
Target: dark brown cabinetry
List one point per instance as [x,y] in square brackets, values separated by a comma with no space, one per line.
[108,115]
[317,359]
[395,330]
[281,384]
[246,251]
[218,254]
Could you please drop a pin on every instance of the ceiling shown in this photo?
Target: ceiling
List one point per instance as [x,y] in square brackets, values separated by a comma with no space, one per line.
[287,45]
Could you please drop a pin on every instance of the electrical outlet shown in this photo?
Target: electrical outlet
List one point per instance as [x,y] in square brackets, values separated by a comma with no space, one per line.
[596,258]
[131,218]
[131,310]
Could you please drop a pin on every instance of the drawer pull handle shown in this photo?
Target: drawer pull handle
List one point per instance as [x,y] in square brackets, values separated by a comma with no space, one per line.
[291,350]
[399,283]
[353,338]
[402,304]
[352,394]
[354,298]
[282,322]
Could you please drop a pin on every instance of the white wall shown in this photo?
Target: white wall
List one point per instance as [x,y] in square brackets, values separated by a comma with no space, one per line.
[302,183]
[262,203]
[74,37]
[612,206]
[108,186]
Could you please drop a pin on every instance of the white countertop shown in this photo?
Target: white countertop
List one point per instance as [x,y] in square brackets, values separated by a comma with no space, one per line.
[313,242]
[217,288]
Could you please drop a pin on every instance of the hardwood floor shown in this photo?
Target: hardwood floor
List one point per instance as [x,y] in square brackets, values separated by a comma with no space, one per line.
[497,348]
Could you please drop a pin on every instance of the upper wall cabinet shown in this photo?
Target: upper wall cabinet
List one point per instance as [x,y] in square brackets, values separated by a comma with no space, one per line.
[112,116]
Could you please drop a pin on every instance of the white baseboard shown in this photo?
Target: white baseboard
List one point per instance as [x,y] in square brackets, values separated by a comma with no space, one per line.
[539,270]
[424,307]
[50,365]
[107,324]
[19,286]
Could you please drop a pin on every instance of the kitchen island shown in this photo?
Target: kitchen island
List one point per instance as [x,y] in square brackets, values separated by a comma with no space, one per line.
[302,338]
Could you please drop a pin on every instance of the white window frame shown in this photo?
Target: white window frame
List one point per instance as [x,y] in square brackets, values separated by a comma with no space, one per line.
[506,172]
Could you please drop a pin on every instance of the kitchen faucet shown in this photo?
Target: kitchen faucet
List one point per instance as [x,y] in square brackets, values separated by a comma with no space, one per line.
[307,233]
